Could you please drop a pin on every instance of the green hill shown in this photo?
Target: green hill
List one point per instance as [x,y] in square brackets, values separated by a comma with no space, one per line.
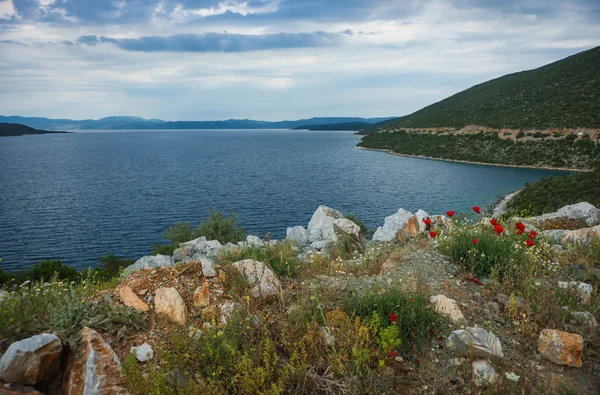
[15,129]
[563,94]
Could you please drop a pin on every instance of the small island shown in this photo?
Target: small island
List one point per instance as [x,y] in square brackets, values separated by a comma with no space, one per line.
[16,129]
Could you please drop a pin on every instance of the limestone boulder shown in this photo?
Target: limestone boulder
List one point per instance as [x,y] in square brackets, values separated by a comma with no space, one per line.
[262,280]
[94,369]
[183,252]
[445,306]
[562,348]
[31,360]
[129,298]
[146,262]
[254,241]
[169,304]
[484,373]
[297,234]
[475,342]
[208,268]
[391,225]
[143,353]
[321,226]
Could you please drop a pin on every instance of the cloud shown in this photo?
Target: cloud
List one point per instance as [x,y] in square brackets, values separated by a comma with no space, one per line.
[220,42]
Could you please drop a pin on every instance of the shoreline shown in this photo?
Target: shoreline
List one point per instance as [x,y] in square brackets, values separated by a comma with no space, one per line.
[471,162]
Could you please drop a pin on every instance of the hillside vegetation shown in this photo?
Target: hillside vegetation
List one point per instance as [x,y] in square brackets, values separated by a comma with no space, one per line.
[336,126]
[551,193]
[564,151]
[563,94]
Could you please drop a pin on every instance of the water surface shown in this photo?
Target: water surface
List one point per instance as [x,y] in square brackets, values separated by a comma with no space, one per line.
[80,196]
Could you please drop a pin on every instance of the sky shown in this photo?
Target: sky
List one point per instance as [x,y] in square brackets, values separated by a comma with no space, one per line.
[271,59]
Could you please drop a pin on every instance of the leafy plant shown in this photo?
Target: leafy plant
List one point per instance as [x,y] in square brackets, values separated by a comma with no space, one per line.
[218,227]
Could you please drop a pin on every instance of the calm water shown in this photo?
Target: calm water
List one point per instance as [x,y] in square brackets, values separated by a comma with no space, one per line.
[79,196]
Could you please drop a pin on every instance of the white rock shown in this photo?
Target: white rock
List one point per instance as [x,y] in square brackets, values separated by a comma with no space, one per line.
[260,277]
[148,262]
[143,353]
[297,234]
[193,242]
[475,342]
[183,252]
[449,308]
[227,309]
[208,269]
[320,226]
[31,360]
[255,241]
[578,211]
[391,225]
[483,373]
[214,244]
[580,237]
[583,290]
[320,245]
[170,304]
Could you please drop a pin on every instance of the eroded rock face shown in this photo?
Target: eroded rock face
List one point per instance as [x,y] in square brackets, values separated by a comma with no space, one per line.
[261,278]
[581,211]
[97,370]
[448,307]
[581,237]
[168,303]
[562,348]
[31,360]
[475,342]
[129,298]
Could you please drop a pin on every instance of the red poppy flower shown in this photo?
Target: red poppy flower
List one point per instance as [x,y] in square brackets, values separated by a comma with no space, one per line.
[494,222]
[427,221]
[477,209]
[417,362]
[530,243]
[392,317]
[450,213]
[475,241]
[520,225]
[431,331]
[520,231]
[532,234]
[393,354]
[499,229]
[432,233]
[412,299]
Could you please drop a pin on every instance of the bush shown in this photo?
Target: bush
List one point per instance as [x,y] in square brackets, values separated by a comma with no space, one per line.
[220,228]
[216,227]
[363,227]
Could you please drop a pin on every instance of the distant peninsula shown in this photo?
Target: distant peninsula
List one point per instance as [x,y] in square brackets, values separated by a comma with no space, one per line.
[16,129]
[336,126]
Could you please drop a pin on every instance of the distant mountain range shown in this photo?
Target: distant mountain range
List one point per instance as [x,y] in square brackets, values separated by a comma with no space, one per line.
[563,94]
[11,129]
[124,123]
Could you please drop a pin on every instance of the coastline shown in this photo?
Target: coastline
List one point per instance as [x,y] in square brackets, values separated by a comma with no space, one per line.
[473,163]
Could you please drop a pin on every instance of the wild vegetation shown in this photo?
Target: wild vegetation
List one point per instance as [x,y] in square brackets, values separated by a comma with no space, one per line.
[562,94]
[489,147]
[336,326]
[551,193]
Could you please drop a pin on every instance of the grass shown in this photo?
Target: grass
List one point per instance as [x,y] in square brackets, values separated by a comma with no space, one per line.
[281,257]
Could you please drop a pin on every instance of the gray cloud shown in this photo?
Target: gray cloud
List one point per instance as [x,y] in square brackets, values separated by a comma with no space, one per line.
[220,42]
